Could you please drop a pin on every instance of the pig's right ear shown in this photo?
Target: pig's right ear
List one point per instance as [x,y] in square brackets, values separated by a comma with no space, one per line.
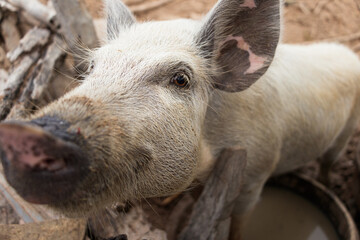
[118,18]
[239,38]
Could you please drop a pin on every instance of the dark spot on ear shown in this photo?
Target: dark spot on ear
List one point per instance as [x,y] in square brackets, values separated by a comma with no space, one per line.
[232,69]
[255,26]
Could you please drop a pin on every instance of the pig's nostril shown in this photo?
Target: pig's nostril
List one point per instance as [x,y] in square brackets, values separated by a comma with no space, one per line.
[43,164]
[51,164]
[49,161]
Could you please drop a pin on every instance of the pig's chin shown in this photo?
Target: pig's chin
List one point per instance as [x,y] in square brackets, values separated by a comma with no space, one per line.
[44,187]
[41,167]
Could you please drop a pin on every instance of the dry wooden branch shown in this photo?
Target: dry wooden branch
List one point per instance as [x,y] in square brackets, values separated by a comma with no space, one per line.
[54,52]
[357,165]
[133,2]
[39,81]
[148,6]
[210,218]
[14,83]
[176,216]
[77,27]
[320,6]
[37,10]
[3,59]
[347,38]
[134,224]
[341,39]
[303,8]
[35,37]
[22,108]
[357,2]
[356,48]
[10,32]
[7,6]
[3,78]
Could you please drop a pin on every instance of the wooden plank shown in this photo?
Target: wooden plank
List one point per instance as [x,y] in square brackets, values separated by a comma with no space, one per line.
[211,216]
[78,29]
[64,229]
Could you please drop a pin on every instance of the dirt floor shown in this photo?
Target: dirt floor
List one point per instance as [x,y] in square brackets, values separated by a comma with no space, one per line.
[305,21]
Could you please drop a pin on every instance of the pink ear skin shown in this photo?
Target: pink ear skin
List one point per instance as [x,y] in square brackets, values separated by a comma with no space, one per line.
[256,62]
[42,168]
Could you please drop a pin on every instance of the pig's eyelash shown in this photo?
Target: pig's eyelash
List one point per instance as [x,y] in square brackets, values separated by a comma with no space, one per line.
[91,67]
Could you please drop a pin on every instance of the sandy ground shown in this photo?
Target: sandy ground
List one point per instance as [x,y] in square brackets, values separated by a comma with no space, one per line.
[304,20]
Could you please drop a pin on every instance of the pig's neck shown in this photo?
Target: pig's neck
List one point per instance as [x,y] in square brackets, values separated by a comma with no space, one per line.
[207,161]
[229,122]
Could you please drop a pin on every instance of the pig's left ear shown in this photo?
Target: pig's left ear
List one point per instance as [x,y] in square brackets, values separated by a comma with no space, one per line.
[239,38]
[118,18]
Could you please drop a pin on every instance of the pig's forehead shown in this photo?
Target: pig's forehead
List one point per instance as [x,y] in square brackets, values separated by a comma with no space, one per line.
[175,33]
[151,43]
[114,57]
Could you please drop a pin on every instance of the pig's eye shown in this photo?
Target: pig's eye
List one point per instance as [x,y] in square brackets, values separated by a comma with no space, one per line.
[180,80]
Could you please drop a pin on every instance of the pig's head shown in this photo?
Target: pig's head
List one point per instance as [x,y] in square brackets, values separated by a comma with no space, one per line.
[134,128]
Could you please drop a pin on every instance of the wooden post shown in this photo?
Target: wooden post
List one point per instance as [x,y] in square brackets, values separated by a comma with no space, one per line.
[77,27]
[211,217]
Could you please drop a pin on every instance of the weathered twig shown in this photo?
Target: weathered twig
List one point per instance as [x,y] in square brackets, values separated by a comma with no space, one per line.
[210,218]
[8,6]
[10,32]
[77,27]
[54,52]
[133,2]
[347,38]
[357,2]
[356,48]
[320,6]
[39,81]
[148,6]
[303,8]
[14,83]
[37,10]
[3,78]
[35,37]
[341,39]
[177,216]
[134,224]
[357,165]
[4,62]
[22,108]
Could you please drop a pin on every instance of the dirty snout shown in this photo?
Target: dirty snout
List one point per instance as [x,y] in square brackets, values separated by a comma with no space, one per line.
[41,159]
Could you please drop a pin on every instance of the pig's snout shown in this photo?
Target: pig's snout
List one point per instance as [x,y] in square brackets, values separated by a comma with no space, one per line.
[40,162]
